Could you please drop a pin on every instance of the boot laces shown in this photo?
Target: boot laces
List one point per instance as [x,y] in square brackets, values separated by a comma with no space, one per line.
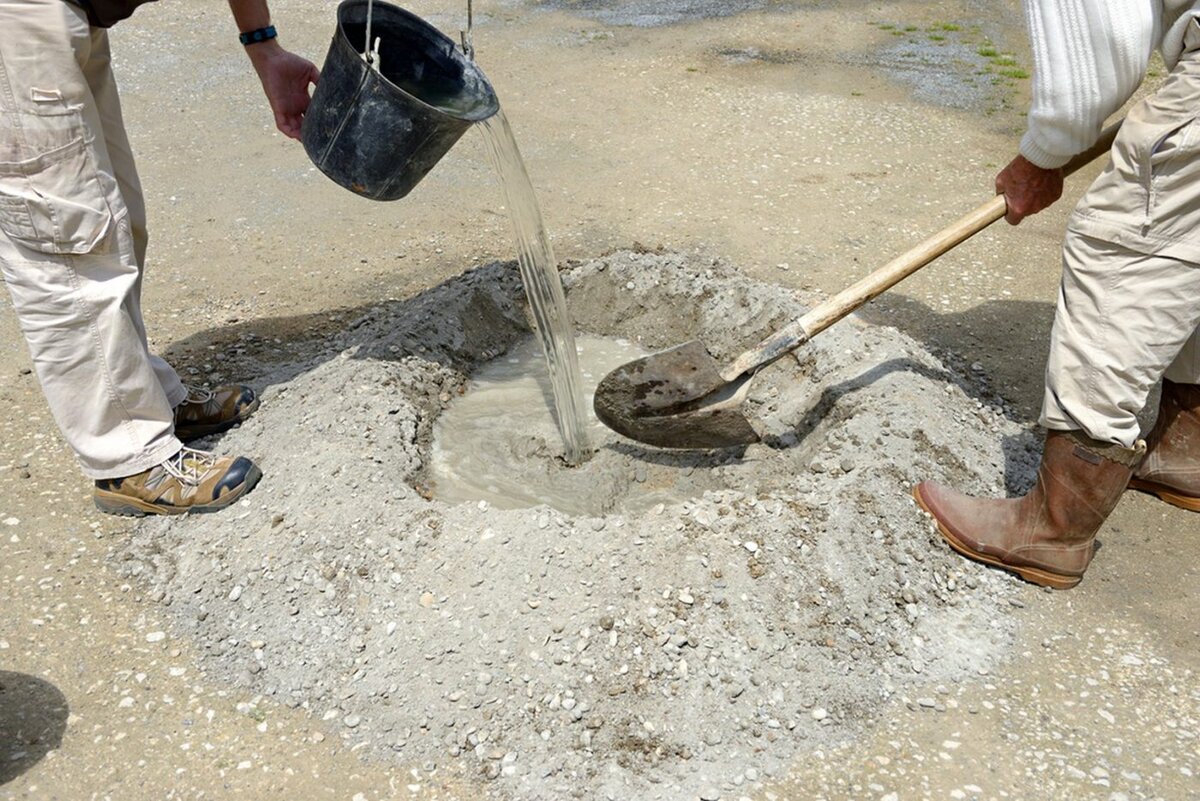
[198,395]
[189,466]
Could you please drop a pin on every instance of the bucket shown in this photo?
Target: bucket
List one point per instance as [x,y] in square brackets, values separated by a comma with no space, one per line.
[377,129]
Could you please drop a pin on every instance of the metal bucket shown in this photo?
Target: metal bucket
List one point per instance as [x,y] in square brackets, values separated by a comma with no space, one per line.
[378,126]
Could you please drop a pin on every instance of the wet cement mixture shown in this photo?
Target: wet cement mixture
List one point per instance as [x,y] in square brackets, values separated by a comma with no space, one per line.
[681,650]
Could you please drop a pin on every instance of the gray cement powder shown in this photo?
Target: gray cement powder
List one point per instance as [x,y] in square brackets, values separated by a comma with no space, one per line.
[655,654]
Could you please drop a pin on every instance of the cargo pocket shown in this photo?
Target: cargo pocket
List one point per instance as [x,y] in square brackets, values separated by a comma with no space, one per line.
[51,197]
[1166,147]
[1170,179]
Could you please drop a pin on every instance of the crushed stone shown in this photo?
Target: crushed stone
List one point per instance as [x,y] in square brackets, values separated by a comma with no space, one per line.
[659,654]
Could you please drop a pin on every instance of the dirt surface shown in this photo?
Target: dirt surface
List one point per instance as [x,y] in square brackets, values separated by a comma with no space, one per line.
[804,143]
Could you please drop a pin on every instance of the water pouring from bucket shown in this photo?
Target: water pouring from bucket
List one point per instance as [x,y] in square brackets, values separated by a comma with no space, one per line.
[395,95]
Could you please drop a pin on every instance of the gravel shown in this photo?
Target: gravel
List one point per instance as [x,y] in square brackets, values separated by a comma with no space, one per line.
[659,654]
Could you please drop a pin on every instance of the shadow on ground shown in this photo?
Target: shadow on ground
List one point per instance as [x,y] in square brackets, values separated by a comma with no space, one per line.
[33,717]
[1009,338]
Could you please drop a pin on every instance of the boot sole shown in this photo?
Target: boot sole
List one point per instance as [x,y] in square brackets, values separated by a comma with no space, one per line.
[114,503]
[1034,575]
[193,433]
[1165,494]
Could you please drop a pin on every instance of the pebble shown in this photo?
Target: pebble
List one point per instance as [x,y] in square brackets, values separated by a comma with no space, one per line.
[236,592]
[710,794]
[820,713]
[751,546]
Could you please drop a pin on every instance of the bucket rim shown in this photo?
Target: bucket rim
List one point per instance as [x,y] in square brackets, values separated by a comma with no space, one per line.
[484,110]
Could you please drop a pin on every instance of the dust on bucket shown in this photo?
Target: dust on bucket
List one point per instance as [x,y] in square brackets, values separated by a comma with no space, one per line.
[382,115]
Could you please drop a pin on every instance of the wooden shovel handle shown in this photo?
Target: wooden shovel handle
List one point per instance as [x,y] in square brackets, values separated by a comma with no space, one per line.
[872,286]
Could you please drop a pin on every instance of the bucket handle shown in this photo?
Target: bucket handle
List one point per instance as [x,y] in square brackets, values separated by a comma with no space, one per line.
[371,54]
[467,45]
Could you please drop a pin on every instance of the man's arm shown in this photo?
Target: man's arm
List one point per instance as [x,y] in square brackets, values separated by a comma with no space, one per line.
[285,76]
[1089,58]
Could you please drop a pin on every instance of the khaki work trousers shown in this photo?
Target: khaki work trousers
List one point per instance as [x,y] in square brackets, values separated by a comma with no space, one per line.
[1129,302]
[73,240]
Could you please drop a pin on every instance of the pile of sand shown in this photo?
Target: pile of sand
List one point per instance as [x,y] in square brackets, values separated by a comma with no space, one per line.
[667,653]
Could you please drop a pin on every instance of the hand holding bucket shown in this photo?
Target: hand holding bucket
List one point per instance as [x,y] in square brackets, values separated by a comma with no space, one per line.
[385,111]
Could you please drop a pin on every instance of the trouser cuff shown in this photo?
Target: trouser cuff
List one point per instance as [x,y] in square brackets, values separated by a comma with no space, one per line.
[140,463]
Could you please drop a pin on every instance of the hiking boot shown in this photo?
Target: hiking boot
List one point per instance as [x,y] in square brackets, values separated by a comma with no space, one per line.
[1171,469]
[190,481]
[1048,536]
[205,412]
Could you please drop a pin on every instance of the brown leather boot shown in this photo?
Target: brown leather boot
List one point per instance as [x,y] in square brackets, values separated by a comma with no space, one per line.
[1171,469]
[1047,536]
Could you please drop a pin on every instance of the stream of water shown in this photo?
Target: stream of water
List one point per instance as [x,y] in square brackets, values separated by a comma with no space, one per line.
[496,442]
[543,287]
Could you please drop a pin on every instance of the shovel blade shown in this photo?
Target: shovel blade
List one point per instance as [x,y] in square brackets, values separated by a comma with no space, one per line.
[658,400]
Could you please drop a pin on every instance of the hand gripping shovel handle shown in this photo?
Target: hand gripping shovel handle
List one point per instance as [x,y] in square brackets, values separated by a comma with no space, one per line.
[872,286]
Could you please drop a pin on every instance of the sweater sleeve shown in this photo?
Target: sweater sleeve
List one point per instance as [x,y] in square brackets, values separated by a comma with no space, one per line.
[1089,57]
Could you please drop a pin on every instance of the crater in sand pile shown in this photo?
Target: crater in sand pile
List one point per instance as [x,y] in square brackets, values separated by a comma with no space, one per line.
[644,652]
[498,443]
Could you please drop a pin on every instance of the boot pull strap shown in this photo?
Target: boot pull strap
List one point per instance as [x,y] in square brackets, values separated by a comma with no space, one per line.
[1094,450]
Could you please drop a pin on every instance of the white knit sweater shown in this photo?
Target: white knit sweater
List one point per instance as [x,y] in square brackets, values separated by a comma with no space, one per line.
[1089,58]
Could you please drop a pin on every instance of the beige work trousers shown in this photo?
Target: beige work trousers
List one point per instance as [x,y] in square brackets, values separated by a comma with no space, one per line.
[1129,303]
[73,240]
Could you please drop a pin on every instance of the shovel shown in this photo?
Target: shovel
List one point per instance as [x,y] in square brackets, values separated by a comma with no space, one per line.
[683,398]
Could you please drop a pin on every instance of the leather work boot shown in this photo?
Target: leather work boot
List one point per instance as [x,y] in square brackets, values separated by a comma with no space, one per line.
[206,412]
[1047,536]
[1171,469]
[190,481]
